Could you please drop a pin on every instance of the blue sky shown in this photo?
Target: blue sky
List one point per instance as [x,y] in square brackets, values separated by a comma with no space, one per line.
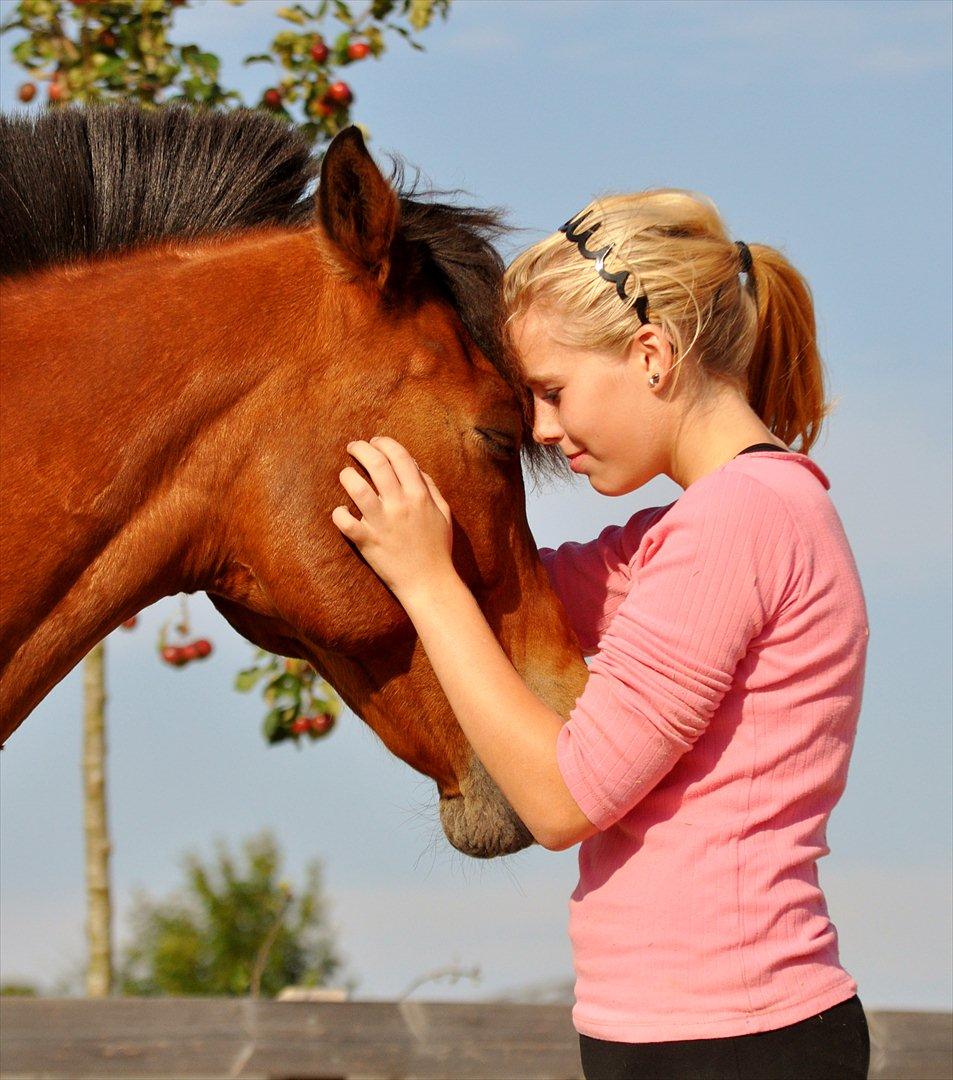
[821,128]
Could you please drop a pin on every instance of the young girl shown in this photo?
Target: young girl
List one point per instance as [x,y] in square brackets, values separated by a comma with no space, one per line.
[728,629]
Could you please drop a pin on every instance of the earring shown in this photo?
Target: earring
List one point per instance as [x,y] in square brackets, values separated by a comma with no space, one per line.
[654,379]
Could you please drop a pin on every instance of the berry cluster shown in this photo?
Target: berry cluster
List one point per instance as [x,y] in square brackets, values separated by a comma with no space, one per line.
[323,99]
[177,655]
[312,726]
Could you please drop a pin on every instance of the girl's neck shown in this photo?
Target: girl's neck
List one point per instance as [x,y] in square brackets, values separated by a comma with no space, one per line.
[711,434]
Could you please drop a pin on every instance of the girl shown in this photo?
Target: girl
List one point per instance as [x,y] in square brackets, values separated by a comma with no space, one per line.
[701,763]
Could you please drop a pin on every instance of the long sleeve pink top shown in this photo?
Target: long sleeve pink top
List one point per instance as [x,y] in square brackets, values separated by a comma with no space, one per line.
[709,746]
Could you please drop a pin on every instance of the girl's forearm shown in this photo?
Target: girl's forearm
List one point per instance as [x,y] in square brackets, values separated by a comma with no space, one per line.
[512,731]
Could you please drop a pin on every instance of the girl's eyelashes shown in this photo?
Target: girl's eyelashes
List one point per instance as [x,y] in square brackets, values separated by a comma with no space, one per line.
[551,395]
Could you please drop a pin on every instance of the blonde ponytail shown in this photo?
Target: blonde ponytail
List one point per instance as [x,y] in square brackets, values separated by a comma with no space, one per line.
[785,376]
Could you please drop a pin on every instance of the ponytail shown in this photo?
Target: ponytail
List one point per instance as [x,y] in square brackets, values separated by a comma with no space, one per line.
[785,374]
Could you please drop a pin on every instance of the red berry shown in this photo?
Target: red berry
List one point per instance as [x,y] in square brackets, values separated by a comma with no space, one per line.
[108,39]
[272,98]
[358,50]
[319,51]
[202,647]
[128,624]
[189,652]
[322,723]
[301,725]
[170,654]
[56,91]
[27,91]
[340,93]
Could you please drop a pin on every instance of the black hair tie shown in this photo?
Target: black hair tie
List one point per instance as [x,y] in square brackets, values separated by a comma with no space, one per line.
[745,256]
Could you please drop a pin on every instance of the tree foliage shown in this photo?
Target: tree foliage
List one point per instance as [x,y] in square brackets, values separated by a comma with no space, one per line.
[100,50]
[234,924]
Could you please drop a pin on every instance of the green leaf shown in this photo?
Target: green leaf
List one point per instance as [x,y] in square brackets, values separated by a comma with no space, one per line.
[273,727]
[421,12]
[111,66]
[286,684]
[209,61]
[292,15]
[259,58]
[23,51]
[246,680]
[343,12]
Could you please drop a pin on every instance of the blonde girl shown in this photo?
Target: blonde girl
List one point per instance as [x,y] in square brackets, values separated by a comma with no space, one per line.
[728,632]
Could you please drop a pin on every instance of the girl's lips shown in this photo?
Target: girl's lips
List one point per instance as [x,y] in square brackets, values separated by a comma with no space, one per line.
[575,462]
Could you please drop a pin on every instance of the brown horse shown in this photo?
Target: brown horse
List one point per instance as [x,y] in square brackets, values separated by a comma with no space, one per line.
[189,341]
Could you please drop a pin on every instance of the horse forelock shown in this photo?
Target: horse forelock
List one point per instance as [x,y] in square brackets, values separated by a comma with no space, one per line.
[458,242]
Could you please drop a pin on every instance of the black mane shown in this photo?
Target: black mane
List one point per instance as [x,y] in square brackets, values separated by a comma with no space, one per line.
[76,184]
[79,183]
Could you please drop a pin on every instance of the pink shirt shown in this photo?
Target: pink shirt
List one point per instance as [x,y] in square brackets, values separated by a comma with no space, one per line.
[709,746]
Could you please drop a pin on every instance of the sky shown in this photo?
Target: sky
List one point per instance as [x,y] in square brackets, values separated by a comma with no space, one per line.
[822,128]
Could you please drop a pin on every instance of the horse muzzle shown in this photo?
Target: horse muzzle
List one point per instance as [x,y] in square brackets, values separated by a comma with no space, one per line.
[479,821]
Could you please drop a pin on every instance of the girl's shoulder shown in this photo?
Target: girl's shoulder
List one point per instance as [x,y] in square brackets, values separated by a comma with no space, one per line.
[784,480]
[762,503]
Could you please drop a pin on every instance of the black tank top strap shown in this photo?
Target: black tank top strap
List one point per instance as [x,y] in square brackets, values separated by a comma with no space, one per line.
[763,446]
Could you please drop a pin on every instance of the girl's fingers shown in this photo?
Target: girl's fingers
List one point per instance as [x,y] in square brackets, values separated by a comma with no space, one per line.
[364,496]
[405,467]
[378,467]
[347,523]
[442,505]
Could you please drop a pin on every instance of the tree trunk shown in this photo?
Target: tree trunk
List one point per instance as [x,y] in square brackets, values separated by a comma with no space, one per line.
[98,907]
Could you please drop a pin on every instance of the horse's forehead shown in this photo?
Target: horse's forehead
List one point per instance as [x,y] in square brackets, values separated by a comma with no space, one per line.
[440,342]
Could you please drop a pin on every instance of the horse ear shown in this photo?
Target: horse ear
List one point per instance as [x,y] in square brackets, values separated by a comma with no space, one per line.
[356,205]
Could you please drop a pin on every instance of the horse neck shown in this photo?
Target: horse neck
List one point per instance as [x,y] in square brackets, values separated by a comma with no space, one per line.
[114,470]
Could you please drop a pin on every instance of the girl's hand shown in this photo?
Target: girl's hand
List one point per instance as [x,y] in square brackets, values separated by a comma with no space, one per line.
[406,531]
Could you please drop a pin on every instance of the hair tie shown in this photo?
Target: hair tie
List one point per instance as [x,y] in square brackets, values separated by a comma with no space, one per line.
[745,256]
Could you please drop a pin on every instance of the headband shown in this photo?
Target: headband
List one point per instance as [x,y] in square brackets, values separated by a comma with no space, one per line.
[579,237]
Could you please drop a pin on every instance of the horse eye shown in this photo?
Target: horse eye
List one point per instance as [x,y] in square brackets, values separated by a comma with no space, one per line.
[499,442]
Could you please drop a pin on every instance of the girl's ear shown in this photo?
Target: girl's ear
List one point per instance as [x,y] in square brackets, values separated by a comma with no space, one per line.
[650,350]
[357,207]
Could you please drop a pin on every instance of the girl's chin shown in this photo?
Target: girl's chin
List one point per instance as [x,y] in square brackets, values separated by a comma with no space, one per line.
[605,485]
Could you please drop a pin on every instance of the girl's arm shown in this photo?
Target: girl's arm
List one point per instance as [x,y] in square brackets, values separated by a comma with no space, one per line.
[510,729]
[406,535]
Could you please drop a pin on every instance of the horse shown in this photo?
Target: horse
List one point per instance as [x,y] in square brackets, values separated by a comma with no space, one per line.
[189,340]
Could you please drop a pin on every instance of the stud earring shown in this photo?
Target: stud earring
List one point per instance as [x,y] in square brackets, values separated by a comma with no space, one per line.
[654,379]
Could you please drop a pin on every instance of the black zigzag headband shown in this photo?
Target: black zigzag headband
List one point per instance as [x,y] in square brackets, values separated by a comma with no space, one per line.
[579,237]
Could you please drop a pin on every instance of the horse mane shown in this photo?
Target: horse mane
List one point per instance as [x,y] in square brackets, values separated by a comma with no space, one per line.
[186,173]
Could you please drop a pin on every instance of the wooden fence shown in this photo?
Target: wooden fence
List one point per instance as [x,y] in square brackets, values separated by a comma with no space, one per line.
[187,1039]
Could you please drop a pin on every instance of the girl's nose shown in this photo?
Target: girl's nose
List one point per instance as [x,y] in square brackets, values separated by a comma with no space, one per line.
[546,428]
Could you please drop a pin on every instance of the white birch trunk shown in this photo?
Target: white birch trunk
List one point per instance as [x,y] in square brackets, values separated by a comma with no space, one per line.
[96,828]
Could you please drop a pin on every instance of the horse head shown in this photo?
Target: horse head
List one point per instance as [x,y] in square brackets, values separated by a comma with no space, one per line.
[405,293]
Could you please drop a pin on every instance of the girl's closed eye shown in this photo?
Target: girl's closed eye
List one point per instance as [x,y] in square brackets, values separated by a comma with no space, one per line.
[551,395]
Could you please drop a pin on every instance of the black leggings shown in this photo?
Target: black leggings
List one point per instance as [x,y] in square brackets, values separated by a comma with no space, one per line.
[833,1045]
